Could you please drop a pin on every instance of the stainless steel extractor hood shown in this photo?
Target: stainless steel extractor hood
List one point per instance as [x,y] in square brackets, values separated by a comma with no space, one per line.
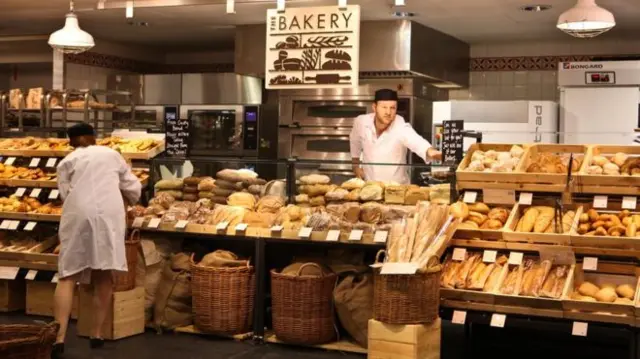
[397,48]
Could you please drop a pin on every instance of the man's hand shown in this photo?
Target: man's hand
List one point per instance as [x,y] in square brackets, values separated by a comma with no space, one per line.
[359,172]
[434,154]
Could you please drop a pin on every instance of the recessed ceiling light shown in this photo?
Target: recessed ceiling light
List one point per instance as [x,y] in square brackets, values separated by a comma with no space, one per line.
[535,8]
[403,14]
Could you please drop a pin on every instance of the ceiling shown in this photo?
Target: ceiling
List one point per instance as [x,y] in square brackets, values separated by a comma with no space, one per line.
[208,26]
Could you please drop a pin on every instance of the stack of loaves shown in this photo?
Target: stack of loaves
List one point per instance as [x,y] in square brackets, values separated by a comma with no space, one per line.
[173,187]
[190,189]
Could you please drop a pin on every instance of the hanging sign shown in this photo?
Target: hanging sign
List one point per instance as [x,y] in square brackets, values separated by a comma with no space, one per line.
[452,141]
[176,134]
[313,47]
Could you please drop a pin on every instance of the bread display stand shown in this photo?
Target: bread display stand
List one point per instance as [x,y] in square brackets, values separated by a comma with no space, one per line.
[559,179]
[600,241]
[604,183]
[509,234]
[476,180]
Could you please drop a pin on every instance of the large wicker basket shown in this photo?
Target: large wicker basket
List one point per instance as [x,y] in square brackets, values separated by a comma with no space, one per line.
[302,307]
[124,281]
[27,341]
[223,298]
[406,299]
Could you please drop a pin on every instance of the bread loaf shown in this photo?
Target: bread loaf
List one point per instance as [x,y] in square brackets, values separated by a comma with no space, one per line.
[372,192]
[166,184]
[460,210]
[206,184]
[607,295]
[317,201]
[415,195]
[529,219]
[353,196]
[354,183]
[315,179]
[395,194]
[222,192]
[625,291]
[270,204]
[588,289]
[371,213]
[233,186]
[192,181]
[479,207]
[241,199]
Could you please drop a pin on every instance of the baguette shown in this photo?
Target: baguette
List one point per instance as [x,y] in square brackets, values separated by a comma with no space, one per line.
[463,273]
[479,280]
[509,284]
[540,276]
[492,281]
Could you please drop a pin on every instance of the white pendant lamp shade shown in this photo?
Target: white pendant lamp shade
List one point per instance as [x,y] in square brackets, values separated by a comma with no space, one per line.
[71,39]
[586,19]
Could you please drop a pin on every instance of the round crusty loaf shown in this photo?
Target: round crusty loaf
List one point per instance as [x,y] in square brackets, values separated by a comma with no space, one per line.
[242,199]
[229,175]
[190,189]
[222,192]
[234,186]
[192,181]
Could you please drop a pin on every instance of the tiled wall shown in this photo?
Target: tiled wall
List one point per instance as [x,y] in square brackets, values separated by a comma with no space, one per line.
[509,85]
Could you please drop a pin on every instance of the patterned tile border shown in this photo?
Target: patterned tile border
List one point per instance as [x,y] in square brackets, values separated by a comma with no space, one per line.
[536,63]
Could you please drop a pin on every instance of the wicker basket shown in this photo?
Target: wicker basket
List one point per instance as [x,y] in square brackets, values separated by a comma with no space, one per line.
[27,341]
[124,281]
[223,298]
[406,299]
[302,308]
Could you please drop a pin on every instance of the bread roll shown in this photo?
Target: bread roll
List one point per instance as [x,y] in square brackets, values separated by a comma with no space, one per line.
[492,224]
[607,295]
[459,210]
[372,192]
[317,201]
[353,196]
[625,291]
[588,288]
[619,159]
[242,199]
[499,213]
[529,220]
[206,184]
[354,183]
[479,207]
[468,225]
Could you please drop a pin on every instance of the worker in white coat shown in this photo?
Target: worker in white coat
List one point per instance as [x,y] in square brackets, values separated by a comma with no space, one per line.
[383,137]
[94,183]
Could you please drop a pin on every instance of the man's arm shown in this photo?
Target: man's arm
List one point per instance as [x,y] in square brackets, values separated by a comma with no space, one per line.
[64,180]
[355,144]
[418,145]
[130,186]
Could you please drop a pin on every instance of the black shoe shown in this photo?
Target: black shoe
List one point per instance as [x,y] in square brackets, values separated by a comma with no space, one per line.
[58,351]
[96,343]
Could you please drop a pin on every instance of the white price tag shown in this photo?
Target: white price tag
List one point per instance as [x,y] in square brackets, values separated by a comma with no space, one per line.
[459,254]
[35,162]
[356,235]
[182,224]
[489,256]
[5,224]
[241,227]
[459,317]
[497,320]
[526,198]
[20,192]
[13,225]
[600,201]
[333,235]
[10,161]
[31,275]
[55,278]
[276,229]
[9,273]
[137,222]
[54,194]
[154,223]
[30,226]
[629,202]
[515,258]
[580,329]
[470,197]
[590,263]
[380,237]
[222,226]
[36,192]
[51,162]
[305,232]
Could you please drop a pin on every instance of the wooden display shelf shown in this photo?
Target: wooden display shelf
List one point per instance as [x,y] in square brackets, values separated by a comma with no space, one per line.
[463,175]
[583,178]
[30,265]
[191,329]
[502,309]
[510,234]
[30,217]
[49,153]
[28,183]
[547,178]
[341,345]
[522,187]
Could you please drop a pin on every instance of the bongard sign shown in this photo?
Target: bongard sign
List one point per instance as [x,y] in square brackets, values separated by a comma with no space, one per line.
[570,66]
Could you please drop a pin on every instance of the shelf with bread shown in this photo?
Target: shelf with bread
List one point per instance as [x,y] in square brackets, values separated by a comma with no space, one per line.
[37,177]
[30,246]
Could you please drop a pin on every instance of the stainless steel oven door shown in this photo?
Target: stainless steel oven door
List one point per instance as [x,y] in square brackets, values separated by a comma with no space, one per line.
[145,118]
[214,130]
[323,145]
[328,113]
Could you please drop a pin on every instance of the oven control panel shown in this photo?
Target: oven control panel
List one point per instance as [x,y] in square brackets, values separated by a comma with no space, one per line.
[250,128]
[601,78]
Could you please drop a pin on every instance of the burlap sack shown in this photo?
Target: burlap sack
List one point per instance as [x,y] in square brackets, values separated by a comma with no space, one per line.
[353,299]
[310,270]
[152,278]
[172,307]
[222,258]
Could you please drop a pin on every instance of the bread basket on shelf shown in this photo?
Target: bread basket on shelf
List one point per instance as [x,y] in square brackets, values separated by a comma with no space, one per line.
[124,281]
[34,341]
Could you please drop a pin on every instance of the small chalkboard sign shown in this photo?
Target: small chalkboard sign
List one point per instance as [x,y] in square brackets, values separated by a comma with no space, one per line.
[176,135]
[452,141]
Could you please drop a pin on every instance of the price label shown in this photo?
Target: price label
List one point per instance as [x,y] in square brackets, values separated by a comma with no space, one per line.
[629,202]
[54,194]
[55,278]
[356,235]
[36,193]
[526,198]
[20,192]
[459,254]
[30,226]
[333,235]
[5,224]
[137,222]
[276,229]
[459,317]
[31,275]
[515,258]
[600,201]
[380,237]
[35,162]
[9,273]
[580,329]
[10,161]
[222,226]
[154,223]
[13,225]
[51,162]
[182,224]
[470,197]
[590,263]
[497,320]
[241,227]
[489,256]
[305,232]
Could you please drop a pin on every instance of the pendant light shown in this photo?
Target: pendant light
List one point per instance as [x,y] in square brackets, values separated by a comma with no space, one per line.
[71,39]
[586,19]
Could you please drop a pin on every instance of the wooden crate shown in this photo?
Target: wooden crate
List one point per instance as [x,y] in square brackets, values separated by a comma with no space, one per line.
[125,317]
[418,341]
[584,179]
[40,299]
[12,295]
[559,179]
[605,242]
[509,233]
[463,175]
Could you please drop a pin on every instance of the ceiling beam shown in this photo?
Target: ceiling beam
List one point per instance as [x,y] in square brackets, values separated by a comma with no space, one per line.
[119,4]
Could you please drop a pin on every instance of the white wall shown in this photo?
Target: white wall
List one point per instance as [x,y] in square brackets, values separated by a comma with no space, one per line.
[25,76]
[200,57]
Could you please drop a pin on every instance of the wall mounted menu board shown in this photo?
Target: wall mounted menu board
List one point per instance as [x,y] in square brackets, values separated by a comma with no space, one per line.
[452,141]
[176,135]
[313,47]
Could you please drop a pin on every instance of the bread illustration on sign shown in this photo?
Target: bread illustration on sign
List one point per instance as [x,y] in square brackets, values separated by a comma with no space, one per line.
[311,59]
[283,80]
[284,63]
[337,60]
[291,42]
[326,41]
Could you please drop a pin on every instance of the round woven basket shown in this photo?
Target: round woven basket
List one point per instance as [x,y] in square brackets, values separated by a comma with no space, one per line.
[27,341]
[302,307]
[223,298]
[124,281]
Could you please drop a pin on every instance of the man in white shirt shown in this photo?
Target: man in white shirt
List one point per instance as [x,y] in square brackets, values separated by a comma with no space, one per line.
[383,137]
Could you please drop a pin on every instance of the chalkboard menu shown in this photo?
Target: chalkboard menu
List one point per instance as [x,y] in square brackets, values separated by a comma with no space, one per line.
[452,141]
[177,135]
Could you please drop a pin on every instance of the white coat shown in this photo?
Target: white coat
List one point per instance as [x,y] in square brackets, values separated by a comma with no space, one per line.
[92,181]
